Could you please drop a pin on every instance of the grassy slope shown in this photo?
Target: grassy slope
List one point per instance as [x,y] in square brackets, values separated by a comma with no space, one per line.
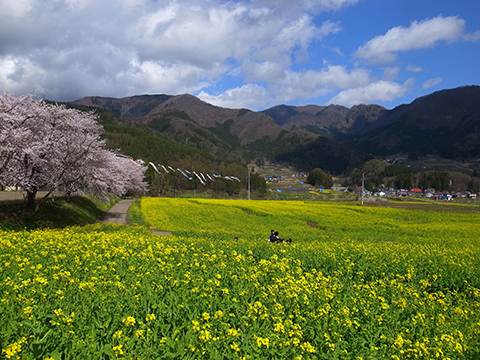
[53,214]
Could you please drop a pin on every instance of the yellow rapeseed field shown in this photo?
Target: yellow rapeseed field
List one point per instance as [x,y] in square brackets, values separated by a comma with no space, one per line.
[356,283]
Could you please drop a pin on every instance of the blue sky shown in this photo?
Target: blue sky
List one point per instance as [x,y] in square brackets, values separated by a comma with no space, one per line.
[240,54]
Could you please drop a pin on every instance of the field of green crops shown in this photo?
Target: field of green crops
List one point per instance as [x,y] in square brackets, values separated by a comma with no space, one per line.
[356,283]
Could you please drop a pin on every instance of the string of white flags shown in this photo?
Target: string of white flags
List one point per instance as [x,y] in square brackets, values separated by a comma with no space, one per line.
[190,175]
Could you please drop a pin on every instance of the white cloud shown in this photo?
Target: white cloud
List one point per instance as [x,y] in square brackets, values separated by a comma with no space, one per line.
[419,35]
[432,82]
[66,49]
[268,71]
[473,36]
[248,96]
[327,5]
[390,73]
[337,51]
[311,84]
[16,8]
[21,76]
[414,68]
[293,85]
[76,48]
[378,91]
[312,5]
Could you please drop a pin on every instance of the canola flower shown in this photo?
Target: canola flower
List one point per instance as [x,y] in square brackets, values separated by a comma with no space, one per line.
[363,283]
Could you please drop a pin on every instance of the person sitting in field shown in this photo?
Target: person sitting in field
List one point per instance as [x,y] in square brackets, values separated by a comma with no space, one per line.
[277,238]
[272,237]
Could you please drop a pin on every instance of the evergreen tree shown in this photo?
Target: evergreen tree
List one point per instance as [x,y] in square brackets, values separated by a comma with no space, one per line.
[317,177]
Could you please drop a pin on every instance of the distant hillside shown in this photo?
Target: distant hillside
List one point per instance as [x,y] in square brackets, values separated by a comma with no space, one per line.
[445,123]
[326,154]
[230,134]
[189,120]
[134,106]
[332,137]
[142,142]
[327,120]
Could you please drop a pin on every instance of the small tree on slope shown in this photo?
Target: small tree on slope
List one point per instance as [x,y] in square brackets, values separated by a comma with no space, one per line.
[317,177]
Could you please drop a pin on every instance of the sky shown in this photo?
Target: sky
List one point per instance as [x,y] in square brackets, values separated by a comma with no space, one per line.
[252,54]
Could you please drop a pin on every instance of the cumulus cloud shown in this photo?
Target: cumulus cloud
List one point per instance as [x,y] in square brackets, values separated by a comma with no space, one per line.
[315,5]
[313,83]
[277,50]
[72,48]
[420,35]
[248,96]
[391,73]
[377,91]
[473,37]
[291,85]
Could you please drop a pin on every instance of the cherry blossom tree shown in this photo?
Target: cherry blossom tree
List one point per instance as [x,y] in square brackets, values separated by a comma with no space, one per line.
[50,147]
[119,175]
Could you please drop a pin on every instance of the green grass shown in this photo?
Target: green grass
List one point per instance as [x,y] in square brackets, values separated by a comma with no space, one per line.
[135,213]
[53,214]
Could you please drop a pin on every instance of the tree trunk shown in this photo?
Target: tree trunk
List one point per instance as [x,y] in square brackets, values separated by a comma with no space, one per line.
[30,205]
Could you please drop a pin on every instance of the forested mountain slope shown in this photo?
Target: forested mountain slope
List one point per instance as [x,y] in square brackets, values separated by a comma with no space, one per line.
[332,137]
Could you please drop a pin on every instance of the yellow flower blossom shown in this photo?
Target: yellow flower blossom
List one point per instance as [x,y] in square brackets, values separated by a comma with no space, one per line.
[129,321]
[150,317]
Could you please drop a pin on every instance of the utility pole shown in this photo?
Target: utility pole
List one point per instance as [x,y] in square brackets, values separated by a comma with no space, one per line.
[248,182]
[363,185]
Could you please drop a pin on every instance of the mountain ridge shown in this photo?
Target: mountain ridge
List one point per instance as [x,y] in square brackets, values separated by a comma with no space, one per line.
[439,123]
[445,123]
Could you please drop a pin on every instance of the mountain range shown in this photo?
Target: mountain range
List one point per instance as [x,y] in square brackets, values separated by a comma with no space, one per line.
[335,138]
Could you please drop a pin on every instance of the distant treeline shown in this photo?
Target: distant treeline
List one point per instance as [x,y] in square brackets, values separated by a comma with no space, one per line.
[381,174]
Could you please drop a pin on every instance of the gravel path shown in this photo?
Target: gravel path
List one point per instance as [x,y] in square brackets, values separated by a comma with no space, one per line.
[118,213]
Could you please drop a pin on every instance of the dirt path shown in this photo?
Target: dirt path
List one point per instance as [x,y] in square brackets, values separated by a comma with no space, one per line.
[118,213]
